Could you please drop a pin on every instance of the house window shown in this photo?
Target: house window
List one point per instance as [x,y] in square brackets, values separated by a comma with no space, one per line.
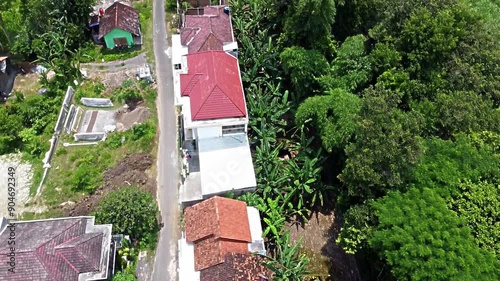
[233,129]
[177,66]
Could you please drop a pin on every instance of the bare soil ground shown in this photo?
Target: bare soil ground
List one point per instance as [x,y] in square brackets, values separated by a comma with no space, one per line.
[132,170]
[112,79]
[23,176]
[27,84]
[327,259]
[125,119]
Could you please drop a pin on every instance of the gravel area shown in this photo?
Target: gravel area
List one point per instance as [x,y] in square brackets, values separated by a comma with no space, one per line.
[23,179]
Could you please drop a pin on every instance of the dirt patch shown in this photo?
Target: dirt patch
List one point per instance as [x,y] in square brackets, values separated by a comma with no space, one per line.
[132,170]
[27,83]
[328,260]
[23,178]
[126,119]
[111,79]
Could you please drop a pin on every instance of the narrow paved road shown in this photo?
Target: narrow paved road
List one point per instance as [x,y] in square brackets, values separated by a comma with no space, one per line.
[165,268]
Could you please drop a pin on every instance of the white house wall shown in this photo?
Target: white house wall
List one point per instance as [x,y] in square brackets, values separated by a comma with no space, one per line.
[179,53]
[209,132]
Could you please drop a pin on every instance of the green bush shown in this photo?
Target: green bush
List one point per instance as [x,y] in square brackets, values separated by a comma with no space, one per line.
[143,130]
[170,5]
[124,276]
[133,212]
[61,151]
[85,178]
[93,90]
[114,140]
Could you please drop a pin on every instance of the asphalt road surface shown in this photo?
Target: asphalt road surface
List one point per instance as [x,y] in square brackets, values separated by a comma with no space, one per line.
[165,267]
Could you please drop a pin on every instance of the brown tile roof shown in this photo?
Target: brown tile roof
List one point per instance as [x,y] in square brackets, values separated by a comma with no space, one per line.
[207,32]
[237,267]
[55,250]
[119,16]
[217,226]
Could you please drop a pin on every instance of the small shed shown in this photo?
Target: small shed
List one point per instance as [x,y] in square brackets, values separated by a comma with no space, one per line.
[120,26]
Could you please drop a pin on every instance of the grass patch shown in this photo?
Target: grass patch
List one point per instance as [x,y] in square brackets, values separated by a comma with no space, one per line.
[54,213]
[78,171]
[89,89]
[145,9]
[95,53]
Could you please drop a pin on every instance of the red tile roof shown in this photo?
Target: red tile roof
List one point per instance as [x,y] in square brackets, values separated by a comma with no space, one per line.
[55,250]
[119,16]
[217,226]
[208,31]
[238,267]
[213,84]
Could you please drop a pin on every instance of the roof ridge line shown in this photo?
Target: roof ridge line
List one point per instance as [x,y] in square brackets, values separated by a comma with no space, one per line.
[218,217]
[67,262]
[201,106]
[217,83]
[80,253]
[81,219]
[206,39]
[116,13]
[91,236]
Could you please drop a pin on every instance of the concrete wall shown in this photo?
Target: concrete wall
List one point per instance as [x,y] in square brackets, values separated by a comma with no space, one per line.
[117,33]
[89,136]
[209,132]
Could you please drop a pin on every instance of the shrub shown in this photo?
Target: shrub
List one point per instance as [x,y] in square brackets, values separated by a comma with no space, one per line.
[170,5]
[114,141]
[61,151]
[124,276]
[85,178]
[132,212]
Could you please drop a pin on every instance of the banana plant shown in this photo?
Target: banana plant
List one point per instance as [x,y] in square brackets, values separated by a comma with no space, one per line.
[289,264]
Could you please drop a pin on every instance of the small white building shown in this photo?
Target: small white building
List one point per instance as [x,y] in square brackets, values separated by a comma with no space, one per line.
[214,117]
[214,123]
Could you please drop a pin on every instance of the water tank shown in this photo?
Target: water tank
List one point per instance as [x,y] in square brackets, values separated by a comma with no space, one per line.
[227,10]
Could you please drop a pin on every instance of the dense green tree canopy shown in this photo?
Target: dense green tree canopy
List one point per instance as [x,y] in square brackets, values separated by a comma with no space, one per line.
[308,23]
[479,205]
[304,67]
[351,67]
[334,115]
[423,240]
[131,211]
[446,163]
[385,148]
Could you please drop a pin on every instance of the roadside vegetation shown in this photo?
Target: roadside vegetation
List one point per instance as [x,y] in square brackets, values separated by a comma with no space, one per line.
[140,223]
[387,113]
[78,174]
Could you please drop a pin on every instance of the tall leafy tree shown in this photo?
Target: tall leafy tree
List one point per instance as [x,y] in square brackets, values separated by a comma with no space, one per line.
[479,205]
[386,146]
[334,117]
[446,163]
[132,211]
[465,112]
[303,67]
[308,23]
[423,240]
[351,68]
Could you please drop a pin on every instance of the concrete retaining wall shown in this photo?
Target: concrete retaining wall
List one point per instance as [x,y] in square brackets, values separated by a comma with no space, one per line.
[89,136]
